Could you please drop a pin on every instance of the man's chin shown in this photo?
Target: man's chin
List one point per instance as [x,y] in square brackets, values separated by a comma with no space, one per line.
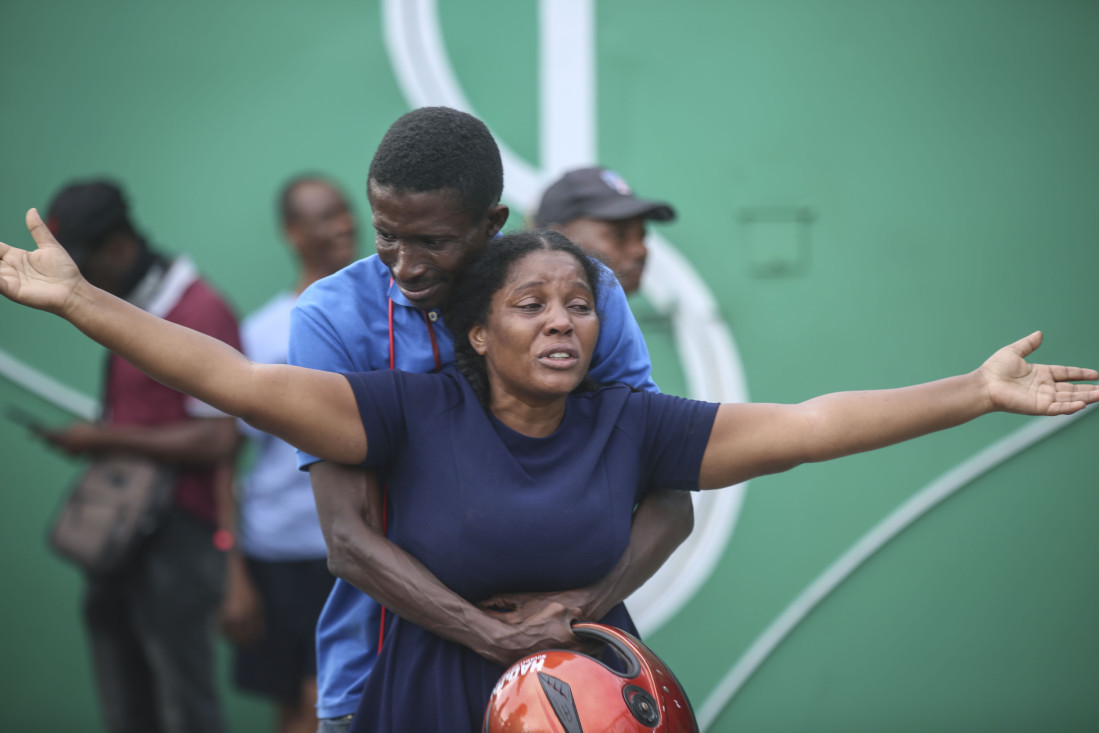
[630,283]
[429,298]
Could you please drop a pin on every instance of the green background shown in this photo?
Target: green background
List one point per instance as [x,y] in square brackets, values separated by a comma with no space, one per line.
[948,153]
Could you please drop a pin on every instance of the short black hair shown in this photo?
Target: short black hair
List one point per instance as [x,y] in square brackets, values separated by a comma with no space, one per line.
[485,276]
[441,149]
[287,210]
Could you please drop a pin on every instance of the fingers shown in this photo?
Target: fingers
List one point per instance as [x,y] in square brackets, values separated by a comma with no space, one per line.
[38,229]
[1025,346]
[1073,374]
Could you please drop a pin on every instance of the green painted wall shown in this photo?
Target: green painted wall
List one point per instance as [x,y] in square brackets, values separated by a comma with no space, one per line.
[949,156]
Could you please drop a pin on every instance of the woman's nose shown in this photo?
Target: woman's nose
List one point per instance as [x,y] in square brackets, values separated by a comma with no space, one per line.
[559,320]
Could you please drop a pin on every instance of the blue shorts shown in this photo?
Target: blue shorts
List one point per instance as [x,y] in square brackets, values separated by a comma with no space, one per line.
[292,592]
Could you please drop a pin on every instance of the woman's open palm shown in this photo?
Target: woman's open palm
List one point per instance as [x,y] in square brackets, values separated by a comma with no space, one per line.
[1015,385]
[42,278]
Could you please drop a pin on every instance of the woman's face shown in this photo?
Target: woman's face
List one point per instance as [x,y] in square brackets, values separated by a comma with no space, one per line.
[541,329]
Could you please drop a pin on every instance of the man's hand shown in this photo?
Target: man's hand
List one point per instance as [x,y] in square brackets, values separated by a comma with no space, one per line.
[77,439]
[241,612]
[517,608]
[548,627]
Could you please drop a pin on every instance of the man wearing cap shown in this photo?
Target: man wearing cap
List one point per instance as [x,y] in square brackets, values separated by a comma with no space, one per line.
[595,208]
[150,624]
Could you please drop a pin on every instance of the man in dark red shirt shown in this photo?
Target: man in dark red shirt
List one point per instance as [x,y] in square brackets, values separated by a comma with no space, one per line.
[151,624]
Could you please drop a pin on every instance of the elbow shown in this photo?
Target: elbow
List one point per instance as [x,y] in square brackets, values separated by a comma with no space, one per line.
[677,511]
[683,514]
[342,551]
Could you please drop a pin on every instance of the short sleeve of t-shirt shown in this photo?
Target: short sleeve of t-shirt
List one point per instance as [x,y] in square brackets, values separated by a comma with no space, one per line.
[665,437]
[673,433]
[388,401]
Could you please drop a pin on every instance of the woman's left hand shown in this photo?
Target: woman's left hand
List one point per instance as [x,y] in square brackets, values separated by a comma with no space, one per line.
[1015,385]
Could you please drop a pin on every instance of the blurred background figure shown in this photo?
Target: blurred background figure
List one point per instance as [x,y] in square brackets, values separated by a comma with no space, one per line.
[151,624]
[279,579]
[597,209]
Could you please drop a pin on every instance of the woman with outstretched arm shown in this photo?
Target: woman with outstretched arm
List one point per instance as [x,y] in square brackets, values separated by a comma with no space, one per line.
[512,470]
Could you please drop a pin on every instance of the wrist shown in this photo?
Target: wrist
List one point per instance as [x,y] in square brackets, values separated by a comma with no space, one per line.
[980,383]
[596,601]
[484,633]
[80,295]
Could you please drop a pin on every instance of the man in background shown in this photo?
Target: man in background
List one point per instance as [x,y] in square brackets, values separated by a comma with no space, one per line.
[151,624]
[279,580]
[596,209]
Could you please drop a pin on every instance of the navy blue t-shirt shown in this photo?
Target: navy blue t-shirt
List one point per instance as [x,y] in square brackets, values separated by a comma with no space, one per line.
[488,510]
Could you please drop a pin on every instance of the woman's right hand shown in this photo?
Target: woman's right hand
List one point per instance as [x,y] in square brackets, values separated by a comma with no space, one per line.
[44,278]
[518,636]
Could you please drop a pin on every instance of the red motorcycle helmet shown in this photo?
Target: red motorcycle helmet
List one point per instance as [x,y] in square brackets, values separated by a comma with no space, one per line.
[560,691]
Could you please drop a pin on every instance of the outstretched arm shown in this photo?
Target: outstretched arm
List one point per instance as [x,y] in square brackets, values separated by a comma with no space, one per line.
[313,410]
[750,440]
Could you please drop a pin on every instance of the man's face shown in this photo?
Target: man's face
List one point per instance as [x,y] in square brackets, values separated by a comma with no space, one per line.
[620,243]
[322,228]
[427,239]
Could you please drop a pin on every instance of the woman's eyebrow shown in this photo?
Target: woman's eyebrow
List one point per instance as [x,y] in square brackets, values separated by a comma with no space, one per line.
[536,283]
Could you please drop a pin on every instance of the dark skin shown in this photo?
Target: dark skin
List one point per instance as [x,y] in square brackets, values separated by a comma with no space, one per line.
[620,243]
[425,238]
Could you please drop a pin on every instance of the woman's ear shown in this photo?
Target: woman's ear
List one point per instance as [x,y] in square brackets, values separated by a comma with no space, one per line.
[477,336]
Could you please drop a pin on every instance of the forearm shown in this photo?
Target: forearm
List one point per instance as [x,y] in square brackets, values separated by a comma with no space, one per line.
[349,507]
[192,441]
[315,411]
[663,520]
[368,560]
[853,422]
[186,360]
[750,440]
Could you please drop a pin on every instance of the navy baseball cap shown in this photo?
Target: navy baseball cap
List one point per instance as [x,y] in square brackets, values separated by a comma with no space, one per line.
[597,193]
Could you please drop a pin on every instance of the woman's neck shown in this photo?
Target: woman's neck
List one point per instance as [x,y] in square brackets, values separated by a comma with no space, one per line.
[535,420]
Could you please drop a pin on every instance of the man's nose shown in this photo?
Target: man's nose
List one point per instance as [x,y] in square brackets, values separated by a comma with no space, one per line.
[407,264]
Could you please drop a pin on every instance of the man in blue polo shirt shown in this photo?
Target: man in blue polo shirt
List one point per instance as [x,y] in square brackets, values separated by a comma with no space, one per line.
[434,188]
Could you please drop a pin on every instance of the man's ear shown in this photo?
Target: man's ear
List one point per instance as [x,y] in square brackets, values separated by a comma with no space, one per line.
[497,217]
[477,336]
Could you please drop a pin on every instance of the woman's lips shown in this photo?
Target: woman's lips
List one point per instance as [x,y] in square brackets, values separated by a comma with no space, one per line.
[559,357]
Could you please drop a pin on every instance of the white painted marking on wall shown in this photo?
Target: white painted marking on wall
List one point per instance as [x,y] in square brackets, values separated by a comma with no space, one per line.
[566,72]
[568,125]
[48,388]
